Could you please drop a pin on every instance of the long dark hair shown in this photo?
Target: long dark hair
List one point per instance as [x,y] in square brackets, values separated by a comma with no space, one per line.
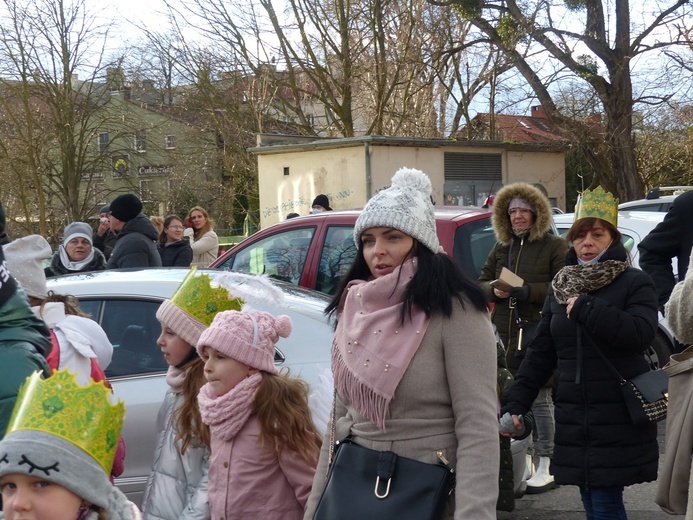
[438,281]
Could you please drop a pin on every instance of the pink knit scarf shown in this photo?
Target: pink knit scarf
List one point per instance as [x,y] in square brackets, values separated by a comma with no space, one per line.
[226,414]
[372,348]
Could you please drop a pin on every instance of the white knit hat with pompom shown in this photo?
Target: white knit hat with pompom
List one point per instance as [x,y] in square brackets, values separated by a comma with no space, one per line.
[248,337]
[406,205]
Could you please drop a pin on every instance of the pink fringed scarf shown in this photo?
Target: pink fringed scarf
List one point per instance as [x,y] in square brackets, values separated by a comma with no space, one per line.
[372,349]
[226,414]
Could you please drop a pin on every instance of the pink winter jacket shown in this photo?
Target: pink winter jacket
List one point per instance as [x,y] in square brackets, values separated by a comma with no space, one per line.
[248,481]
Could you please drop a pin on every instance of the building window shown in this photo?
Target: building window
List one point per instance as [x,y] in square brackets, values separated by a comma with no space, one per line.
[140,141]
[170,142]
[145,191]
[103,142]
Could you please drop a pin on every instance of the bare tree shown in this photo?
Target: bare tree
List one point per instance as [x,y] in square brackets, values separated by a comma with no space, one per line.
[614,41]
[49,115]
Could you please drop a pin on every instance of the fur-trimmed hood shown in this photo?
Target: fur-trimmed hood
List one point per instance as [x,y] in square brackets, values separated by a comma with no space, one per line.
[501,219]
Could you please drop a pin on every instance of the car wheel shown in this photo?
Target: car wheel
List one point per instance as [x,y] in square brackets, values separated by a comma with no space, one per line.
[660,351]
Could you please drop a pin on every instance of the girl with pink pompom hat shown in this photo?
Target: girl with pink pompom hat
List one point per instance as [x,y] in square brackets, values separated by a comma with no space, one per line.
[263,441]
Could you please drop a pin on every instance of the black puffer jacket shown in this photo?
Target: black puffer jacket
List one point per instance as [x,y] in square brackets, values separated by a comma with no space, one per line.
[98,263]
[595,443]
[536,259]
[176,254]
[135,246]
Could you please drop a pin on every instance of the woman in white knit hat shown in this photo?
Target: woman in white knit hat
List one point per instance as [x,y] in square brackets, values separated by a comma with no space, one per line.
[77,253]
[414,354]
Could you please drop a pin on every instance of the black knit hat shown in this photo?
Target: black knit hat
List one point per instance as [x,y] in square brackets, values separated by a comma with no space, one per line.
[126,207]
[322,200]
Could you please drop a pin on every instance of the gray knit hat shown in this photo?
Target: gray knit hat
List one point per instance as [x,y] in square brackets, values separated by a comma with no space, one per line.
[77,229]
[406,205]
[40,454]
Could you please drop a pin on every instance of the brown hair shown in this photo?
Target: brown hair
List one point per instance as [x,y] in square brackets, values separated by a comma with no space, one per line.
[204,229]
[281,404]
[187,418]
[163,238]
[585,224]
[70,302]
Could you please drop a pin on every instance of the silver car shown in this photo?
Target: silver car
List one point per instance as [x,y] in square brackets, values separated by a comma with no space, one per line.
[125,302]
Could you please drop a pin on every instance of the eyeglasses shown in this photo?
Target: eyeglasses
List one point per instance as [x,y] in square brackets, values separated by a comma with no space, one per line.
[175,227]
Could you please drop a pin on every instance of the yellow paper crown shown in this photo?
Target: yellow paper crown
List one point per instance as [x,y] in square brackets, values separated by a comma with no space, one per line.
[82,415]
[196,296]
[597,203]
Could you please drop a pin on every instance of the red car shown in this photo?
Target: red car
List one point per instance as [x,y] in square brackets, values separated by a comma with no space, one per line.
[314,251]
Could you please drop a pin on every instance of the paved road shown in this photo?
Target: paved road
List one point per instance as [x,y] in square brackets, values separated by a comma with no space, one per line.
[563,503]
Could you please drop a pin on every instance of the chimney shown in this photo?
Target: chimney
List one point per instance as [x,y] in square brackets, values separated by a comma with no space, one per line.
[538,111]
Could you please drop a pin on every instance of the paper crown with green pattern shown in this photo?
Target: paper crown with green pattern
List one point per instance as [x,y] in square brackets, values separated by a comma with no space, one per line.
[81,415]
[193,306]
[597,203]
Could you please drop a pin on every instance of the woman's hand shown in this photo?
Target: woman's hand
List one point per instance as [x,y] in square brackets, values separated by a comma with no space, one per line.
[511,428]
[569,305]
[501,293]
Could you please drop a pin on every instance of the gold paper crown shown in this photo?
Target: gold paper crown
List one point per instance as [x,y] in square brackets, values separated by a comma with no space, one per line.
[82,415]
[597,204]
[196,296]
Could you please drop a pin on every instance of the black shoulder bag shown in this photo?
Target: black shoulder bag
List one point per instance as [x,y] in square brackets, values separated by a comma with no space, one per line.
[646,395]
[367,484]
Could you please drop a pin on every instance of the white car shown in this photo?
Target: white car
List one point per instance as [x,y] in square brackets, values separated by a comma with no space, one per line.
[634,226]
[125,302]
[653,201]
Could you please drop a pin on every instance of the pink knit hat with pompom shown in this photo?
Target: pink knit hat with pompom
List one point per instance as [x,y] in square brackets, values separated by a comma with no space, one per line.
[248,337]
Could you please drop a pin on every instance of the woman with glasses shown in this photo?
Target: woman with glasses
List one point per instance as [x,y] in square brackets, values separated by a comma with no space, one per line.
[175,251]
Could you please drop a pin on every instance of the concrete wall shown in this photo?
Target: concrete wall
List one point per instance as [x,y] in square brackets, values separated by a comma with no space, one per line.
[545,168]
[338,173]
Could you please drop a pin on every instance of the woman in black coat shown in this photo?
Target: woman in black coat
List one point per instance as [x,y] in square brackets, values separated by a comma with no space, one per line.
[173,249]
[596,302]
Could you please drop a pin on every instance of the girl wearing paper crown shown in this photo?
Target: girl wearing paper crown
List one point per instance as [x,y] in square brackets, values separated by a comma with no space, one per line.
[177,485]
[597,302]
[59,447]
[414,353]
[264,444]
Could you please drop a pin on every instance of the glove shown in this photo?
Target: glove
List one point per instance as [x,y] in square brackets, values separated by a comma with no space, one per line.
[507,425]
[521,294]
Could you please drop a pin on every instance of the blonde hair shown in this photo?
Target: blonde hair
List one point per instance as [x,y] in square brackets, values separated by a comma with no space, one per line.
[204,229]
[158,223]
[281,404]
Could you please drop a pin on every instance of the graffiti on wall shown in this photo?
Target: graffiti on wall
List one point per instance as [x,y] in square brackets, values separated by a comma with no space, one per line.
[287,206]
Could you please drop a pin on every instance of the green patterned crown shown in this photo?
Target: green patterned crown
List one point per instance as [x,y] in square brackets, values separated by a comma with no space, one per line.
[597,203]
[196,296]
[82,415]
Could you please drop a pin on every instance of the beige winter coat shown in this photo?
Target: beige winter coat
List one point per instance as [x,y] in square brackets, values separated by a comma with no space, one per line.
[205,249]
[445,401]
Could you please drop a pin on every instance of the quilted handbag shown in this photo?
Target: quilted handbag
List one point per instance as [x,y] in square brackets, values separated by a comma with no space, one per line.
[367,484]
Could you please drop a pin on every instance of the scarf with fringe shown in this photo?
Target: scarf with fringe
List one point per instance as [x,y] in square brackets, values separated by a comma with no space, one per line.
[372,348]
[226,414]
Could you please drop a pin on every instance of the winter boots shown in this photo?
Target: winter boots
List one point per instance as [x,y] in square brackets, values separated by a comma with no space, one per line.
[542,480]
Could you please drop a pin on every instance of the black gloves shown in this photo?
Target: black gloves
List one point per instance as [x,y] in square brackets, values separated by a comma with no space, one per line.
[521,294]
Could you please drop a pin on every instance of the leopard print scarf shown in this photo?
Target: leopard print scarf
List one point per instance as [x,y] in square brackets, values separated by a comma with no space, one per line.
[574,280]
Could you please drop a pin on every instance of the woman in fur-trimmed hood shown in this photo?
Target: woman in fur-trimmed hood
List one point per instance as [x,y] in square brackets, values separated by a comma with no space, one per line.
[522,222]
